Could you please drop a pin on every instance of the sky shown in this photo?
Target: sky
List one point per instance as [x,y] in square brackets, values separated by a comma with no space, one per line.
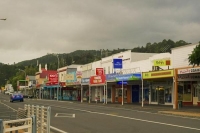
[36,27]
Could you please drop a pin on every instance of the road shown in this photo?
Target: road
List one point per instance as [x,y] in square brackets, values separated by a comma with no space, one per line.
[91,118]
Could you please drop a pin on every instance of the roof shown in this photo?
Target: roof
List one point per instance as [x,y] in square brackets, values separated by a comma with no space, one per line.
[184,46]
[45,74]
[73,66]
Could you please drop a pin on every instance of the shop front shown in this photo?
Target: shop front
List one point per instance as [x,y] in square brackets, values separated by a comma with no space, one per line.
[126,88]
[85,89]
[73,88]
[188,86]
[161,86]
[97,88]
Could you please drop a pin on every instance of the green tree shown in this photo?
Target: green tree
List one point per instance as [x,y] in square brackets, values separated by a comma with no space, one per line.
[194,58]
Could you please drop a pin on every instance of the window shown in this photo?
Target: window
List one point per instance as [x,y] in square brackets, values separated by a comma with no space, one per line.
[184,91]
[153,94]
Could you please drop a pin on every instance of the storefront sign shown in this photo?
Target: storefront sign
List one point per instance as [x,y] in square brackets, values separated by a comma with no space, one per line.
[111,76]
[85,80]
[162,62]
[120,82]
[189,70]
[69,77]
[78,74]
[128,77]
[117,64]
[99,71]
[189,77]
[95,80]
[73,83]
[51,83]
[158,74]
[53,78]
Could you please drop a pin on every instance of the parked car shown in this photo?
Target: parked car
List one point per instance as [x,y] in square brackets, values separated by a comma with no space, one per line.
[16,97]
[7,92]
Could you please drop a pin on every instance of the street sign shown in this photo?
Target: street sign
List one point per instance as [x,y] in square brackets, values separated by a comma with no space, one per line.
[117,64]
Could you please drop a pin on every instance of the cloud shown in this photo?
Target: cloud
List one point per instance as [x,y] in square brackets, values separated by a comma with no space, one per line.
[34,28]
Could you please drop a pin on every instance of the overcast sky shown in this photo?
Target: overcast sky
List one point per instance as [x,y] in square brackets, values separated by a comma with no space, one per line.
[36,27]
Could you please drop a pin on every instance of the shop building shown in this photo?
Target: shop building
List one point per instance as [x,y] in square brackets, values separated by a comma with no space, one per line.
[73,83]
[161,86]
[186,78]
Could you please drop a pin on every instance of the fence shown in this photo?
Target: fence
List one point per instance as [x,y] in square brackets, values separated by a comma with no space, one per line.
[17,125]
[42,114]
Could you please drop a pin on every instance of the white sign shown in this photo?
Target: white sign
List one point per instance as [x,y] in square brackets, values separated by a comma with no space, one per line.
[189,70]
[189,77]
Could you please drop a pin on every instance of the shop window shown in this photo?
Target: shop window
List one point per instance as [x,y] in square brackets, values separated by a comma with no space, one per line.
[187,92]
[168,94]
[153,94]
[180,90]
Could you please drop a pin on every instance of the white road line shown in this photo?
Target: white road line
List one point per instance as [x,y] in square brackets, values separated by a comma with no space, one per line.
[65,115]
[139,111]
[131,118]
[9,106]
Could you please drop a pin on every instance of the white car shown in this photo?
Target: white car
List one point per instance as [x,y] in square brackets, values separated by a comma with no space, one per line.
[7,92]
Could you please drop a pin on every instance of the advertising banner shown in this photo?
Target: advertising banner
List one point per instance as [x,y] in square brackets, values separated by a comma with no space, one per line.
[69,77]
[53,77]
[162,62]
[85,80]
[117,64]
[189,77]
[128,77]
[189,70]
[111,77]
[99,71]
[158,74]
[95,80]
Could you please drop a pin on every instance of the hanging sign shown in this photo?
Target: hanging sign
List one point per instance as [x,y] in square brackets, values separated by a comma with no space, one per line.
[117,64]
[99,71]
[95,80]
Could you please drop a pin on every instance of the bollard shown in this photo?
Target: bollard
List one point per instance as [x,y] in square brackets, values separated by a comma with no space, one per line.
[1,126]
[34,124]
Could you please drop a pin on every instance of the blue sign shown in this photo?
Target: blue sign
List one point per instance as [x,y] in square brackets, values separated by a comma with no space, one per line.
[85,80]
[117,64]
[111,76]
[129,77]
[120,82]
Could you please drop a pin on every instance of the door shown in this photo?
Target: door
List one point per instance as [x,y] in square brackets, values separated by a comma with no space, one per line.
[135,93]
[161,96]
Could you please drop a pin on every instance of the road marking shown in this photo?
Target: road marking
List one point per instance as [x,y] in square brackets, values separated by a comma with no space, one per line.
[139,111]
[131,118]
[65,115]
[8,106]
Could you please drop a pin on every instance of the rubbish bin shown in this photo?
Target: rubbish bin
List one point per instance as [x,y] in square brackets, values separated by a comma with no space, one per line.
[180,104]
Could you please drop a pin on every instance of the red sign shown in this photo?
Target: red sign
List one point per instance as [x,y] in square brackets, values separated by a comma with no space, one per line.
[53,78]
[98,79]
[99,71]
[51,83]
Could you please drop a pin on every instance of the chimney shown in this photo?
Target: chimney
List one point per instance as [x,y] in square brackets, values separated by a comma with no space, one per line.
[45,66]
[40,69]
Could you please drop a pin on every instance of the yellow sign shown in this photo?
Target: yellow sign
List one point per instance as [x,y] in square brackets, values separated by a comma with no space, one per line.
[158,74]
[69,77]
[161,62]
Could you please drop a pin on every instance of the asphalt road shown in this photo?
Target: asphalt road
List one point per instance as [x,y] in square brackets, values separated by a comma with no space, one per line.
[105,119]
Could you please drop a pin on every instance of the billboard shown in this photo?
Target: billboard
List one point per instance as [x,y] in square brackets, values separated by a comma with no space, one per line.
[117,64]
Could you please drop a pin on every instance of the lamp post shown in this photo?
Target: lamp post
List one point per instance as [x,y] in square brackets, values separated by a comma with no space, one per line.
[58,74]
[25,78]
[3,19]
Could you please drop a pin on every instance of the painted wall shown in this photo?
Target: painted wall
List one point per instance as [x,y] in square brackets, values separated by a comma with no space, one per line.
[180,55]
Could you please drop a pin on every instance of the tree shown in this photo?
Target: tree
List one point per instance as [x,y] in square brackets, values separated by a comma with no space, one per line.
[194,58]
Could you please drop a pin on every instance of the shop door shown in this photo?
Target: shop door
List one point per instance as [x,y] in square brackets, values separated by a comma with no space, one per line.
[161,96]
[135,93]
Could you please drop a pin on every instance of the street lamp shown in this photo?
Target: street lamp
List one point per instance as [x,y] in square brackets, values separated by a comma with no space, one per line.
[57,74]
[3,19]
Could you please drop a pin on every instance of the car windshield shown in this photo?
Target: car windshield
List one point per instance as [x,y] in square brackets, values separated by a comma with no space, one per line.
[16,94]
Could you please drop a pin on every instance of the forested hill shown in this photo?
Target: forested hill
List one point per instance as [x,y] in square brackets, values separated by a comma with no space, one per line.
[11,73]
[87,56]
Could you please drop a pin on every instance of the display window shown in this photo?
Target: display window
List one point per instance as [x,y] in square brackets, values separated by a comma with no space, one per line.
[196,89]
[185,91]
[70,94]
[161,91]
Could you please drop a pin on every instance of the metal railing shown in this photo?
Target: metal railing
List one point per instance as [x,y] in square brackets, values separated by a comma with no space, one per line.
[42,117]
